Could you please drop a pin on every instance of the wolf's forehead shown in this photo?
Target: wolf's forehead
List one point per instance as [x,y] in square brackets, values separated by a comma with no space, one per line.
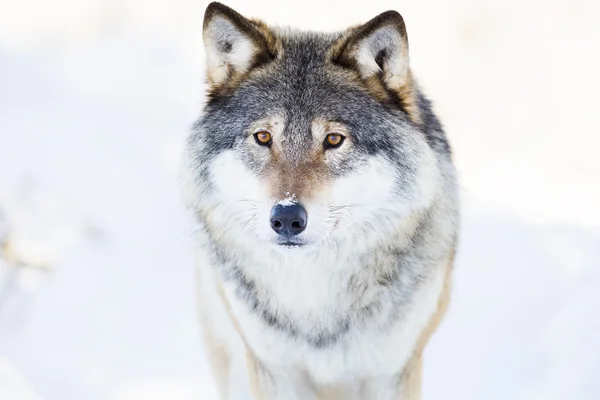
[301,74]
[305,49]
[305,53]
[300,86]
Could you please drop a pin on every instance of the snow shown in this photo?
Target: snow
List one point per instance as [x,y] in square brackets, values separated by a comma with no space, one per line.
[97,282]
[288,201]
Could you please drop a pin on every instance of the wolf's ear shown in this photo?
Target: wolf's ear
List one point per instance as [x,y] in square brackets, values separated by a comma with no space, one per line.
[378,51]
[233,44]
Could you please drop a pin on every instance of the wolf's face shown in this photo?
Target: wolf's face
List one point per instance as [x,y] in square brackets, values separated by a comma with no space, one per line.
[308,140]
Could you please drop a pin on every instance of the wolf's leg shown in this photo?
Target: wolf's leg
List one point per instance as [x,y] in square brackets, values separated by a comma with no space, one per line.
[224,348]
[402,386]
[410,383]
[239,384]
[407,384]
[218,358]
[239,374]
[278,384]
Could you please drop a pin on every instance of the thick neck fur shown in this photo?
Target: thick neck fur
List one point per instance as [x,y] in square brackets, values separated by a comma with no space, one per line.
[317,297]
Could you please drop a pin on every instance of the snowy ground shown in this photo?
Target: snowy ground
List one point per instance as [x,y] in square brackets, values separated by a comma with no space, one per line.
[96,98]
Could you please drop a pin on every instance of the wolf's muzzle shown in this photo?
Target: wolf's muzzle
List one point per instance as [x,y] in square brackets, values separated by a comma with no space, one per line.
[288,219]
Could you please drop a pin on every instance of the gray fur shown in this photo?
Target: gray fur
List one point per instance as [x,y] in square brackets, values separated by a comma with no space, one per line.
[302,85]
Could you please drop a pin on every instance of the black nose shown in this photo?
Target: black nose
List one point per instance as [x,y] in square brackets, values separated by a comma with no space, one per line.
[288,219]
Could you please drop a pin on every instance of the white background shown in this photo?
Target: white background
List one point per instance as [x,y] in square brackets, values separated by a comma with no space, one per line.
[96,98]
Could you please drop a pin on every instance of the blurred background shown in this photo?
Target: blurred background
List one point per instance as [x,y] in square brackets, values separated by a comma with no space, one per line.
[96,265]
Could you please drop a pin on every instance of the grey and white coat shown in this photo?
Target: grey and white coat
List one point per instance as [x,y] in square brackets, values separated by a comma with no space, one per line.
[342,306]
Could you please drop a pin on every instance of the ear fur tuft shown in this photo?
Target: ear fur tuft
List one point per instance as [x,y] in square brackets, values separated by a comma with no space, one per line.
[378,52]
[233,44]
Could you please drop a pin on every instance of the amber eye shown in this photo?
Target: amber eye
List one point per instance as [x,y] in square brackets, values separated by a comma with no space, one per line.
[263,138]
[334,140]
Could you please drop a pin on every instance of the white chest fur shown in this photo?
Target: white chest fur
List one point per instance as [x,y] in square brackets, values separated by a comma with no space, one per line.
[316,297]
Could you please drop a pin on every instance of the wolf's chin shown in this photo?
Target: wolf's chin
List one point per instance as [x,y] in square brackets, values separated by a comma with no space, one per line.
[290,245]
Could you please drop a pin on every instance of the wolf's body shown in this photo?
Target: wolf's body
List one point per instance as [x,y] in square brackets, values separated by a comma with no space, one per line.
[342,306]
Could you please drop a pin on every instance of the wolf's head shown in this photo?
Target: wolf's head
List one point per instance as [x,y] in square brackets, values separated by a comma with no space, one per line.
[310,140]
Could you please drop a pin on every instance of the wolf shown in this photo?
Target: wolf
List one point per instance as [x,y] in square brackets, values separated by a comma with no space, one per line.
[325,196]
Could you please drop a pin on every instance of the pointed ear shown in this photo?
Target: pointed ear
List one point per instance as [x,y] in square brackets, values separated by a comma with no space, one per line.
[378,52]
[233,44]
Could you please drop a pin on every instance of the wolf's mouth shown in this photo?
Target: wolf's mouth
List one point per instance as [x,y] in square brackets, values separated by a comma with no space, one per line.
[290,243]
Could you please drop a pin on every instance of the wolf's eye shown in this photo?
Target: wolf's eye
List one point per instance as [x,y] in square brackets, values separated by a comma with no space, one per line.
[334,140]
[263,138]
